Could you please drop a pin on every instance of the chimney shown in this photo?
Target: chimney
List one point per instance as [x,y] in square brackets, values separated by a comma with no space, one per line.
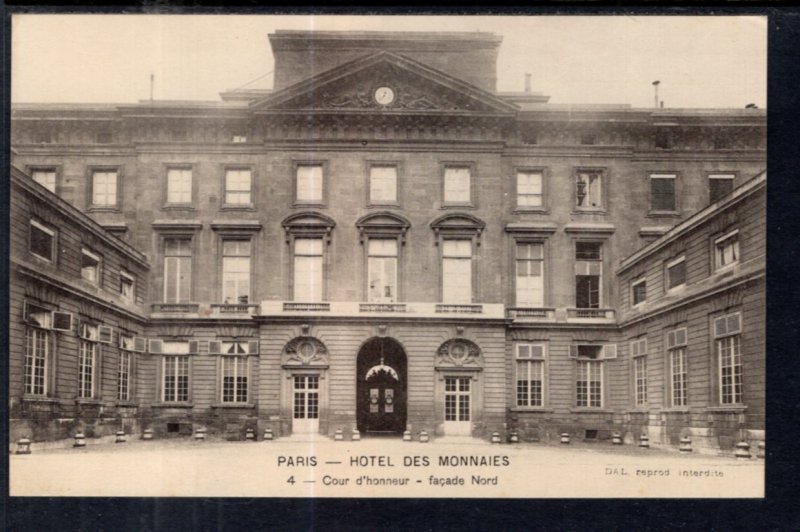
[527,82]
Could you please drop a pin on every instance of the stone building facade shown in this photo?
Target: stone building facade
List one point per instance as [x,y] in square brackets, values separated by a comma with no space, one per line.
[384,242]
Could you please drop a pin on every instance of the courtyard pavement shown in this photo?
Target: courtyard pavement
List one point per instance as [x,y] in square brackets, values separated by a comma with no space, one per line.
[297,467]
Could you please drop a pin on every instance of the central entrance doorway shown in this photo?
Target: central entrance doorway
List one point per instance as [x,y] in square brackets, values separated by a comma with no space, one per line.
[381,387]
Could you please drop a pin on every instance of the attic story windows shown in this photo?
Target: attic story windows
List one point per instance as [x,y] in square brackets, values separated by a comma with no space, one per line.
[179,186]
[309,183]
[457,185]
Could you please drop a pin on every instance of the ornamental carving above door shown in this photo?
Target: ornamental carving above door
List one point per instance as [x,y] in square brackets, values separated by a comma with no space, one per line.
[458,353]
[305,351]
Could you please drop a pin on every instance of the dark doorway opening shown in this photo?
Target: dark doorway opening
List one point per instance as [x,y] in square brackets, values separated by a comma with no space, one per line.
[381,387]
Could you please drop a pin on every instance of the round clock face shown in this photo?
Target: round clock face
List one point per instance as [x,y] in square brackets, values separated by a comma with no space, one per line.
[384,95]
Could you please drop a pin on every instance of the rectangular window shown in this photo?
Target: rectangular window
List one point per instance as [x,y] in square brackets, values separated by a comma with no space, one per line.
[236,271]
[104,188]
[727,332]
[457,399]
[457,186]
[530,375]
[662,192]
[676,348]
[719,186]
[382,185]
[179,185]
[588,274]
[529,189]
[42,241]
[86,368]
[639,356]
[309,183]
[308,256]
[238,185]
[589,385]
[37,355]
[175,372]
[382,266]
[127,286]
[177,270]
[457,271]
[530,275]
[589,191]
[239,139]
[124,375]
[676,273]
[639,291]
[90,266]
[45,177]
[726,250]
[235,370]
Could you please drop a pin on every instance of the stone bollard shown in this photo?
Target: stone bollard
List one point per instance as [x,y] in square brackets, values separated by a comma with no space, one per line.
[200,434]
[147,434]
[80,440]
[513,437]
[423,436]
[250,435]
[339,435]
[685,445]
[495,437]
[761,453]
[742,451]
[616,438]
[268,436]
[119,437]
[24,446]
[644,441]
[407,435]
[355,436]
[564,437]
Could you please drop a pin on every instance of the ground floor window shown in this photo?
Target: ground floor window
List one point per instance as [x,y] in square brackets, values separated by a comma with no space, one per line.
[235,371]
[590,383]
[679,376]
[86,369]
[37,352]
[456,398]
[639,355]
[124,376]
[176,378]
[730,369]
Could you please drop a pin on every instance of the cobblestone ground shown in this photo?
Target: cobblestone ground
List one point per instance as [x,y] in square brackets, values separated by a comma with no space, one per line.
[379,468]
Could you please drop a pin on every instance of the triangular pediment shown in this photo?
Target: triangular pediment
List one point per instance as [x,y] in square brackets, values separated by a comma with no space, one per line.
[407,85]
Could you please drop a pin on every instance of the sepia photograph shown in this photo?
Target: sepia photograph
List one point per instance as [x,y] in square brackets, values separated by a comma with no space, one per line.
[387,256]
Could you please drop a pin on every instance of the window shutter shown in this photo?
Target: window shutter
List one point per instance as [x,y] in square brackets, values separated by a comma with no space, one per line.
[671,339]
[573,351]
[85,331]
[62,321]
[523,351]
[139,344]
[252,347]
[214,347]
[194,347]
[155,346]
[537,351]
[734,323]
[105,334]
[609,351]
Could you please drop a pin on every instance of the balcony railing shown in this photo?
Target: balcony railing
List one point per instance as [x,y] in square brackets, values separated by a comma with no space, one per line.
[176,307]
[590,313]
[233,308]
[290,306]
[446,308]
[382,307]
[532,313]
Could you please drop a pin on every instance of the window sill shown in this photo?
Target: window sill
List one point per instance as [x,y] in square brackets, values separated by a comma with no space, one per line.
[470,206]
[127,404]
[234,207]
[103,208]
[726,408]
[639,411]
[590,211]
[590,410]
[89,402]
[531,409]
[531,210]
[663,214]
[233,405]
[394,205]
[178,207]
[173,405]
[39,399]
[676,410]
[308,205]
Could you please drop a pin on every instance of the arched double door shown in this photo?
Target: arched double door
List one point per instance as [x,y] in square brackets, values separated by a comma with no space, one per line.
[381,386]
